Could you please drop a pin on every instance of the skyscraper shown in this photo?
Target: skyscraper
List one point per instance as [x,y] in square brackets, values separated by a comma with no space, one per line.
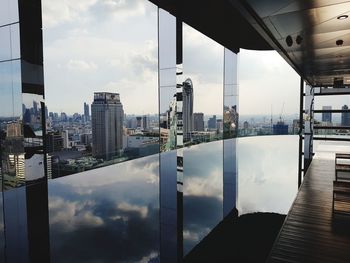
[187,110]
[198,121]
[86,112]
[107,125]
[212,123]
[327,116]
[345,116]
[145,123]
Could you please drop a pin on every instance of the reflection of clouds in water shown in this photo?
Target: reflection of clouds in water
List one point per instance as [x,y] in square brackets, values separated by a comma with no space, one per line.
[211,186]
[142,210]
[267,173]
[72,215]
[106,215]
[201,215]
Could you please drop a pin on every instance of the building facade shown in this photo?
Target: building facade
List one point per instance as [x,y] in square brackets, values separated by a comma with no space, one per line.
[198,121]
[107,125]
[187,111]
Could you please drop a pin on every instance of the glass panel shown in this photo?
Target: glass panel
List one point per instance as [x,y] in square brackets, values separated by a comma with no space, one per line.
[12,150]
[15,42]
[5,43]
[203,191]
[8,12]
[205,74]
[101,83]
[2,226]
[113,214]
[267,168]
[269,94]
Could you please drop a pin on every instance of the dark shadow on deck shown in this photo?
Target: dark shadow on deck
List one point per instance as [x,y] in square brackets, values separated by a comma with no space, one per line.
[248,238]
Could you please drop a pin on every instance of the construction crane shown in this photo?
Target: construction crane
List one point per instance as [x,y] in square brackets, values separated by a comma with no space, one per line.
[281,120]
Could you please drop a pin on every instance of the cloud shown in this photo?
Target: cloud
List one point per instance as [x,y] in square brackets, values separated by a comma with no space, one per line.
[59,12]
[81,65]
[126,207]
[72,214]
[118,9]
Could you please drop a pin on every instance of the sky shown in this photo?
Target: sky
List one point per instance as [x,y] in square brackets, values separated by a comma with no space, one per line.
[111,45]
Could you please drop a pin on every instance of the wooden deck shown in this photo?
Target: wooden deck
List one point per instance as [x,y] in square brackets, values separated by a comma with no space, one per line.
[309,233]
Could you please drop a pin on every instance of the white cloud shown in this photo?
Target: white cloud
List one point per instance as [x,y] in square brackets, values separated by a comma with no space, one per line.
[126,207]
[59,12]
[73,214]
[80,65]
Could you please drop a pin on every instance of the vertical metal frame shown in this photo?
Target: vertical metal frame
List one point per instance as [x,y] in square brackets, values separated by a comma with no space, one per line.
[167,70]
[308,126]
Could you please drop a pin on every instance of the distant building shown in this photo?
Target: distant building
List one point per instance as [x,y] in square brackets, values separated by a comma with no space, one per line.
[327,116]
[198,121]
[86,112]
[65,138]
[212,123]
[139,122]
[107,125]
[280,128]
[246,125]
[345,116]
[187,108]
[54,142]
[145,123]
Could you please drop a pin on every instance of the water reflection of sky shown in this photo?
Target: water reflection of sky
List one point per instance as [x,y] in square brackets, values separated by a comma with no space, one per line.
[268,173]
[106,215]
[111,214]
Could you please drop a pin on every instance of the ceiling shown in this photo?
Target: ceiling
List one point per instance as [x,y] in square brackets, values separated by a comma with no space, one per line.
[313,36]
[217,19]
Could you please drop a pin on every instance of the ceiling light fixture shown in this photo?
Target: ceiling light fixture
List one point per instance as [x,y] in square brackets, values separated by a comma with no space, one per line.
[342,17]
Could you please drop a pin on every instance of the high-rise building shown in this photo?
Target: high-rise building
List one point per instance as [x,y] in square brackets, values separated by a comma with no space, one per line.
[86,112]
[345,116]
[139,122]
[327,116]
[107,125]
[198,121]
[212,123]
[187,109]
[145,123]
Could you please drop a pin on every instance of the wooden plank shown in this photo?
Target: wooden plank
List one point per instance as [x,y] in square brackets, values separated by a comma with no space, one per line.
[308,233]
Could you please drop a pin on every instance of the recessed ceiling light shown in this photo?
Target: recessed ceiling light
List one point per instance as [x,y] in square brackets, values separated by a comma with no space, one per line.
[342,17]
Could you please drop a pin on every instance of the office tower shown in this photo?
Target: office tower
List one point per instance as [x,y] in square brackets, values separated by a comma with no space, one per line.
[327,116]
[86,112]
[65,139]
[280,128]
[187,110]
[139,122]
[145,124]
[198,121]
[212,122]
[107,125]
[64,117]
[345,116]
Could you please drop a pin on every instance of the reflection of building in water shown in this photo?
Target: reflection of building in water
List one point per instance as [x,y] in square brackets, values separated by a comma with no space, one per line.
[187,109]
[107,125]
[198,121]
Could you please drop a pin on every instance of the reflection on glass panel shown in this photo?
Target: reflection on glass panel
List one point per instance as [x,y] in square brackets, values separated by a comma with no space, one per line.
[267,168]
[2,227]
[8,12]
[269,105]
[100,84]
[203,191]
[11,132]
[5,43]
[15,42]
[113,214]
[203,87]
